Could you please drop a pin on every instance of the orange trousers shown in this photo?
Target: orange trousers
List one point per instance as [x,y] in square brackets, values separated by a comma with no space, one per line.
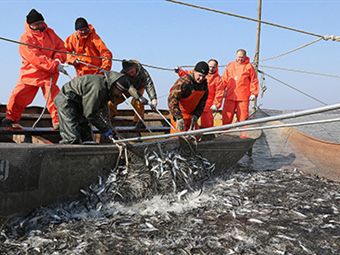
[139,107]
[23,94]
[207,119]
[230,107]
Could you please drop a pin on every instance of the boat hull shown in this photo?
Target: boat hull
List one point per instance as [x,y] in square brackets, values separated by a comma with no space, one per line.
[33,175]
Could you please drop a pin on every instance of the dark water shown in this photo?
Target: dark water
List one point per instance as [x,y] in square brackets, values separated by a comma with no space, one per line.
[265,205]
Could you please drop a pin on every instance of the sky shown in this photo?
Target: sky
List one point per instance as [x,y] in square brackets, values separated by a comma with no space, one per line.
[164,34]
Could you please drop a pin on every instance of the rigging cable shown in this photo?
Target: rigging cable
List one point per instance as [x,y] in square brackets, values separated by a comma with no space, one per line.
[153,66]
[301,71]
[321,37]
[331,37]
[291,51]
[292,87]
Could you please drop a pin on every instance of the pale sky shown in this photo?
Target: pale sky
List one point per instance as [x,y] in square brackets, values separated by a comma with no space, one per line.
[164,34]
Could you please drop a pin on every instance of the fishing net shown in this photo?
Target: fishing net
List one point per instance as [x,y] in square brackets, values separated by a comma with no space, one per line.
[137,176]
[155,172]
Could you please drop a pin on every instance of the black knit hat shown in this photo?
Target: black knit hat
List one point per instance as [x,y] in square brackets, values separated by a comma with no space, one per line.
[127,64]
[202,67]
[34,16]
[81,23]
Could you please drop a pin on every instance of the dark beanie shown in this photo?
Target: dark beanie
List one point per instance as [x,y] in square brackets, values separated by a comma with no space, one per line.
[81,23]
[202,67]
[33,16]
[127,64]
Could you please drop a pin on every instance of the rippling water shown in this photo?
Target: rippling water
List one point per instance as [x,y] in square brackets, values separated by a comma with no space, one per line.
[262,206]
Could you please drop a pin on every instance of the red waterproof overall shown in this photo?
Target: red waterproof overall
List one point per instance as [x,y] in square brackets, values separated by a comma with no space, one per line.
[187,106]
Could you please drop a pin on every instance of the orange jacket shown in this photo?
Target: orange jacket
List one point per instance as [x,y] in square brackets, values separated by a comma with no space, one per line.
[38,64]
[182,72]
[240,81]
[215,88]
[90,45]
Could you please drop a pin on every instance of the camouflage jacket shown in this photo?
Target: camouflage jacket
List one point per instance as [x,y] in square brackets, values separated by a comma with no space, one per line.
[183,88]
[143,80]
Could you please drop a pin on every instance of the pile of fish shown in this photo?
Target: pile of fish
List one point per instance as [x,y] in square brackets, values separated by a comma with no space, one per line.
[134,179]
[142,178]
[247,212]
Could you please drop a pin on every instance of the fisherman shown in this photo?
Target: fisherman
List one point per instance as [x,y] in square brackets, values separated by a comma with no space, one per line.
[83,101]
[86,41]
[40,68]
[215,95]
[188,97]
[241,86]
[141,79]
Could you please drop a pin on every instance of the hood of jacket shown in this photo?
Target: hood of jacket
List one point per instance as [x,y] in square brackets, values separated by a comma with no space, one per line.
[246,61]
[35,33]
[92,31]
[111,77]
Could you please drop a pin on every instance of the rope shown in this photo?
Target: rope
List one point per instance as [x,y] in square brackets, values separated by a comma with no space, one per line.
[327,37]
[292,87]
[293,50]
[262,85]
[301,71]
[43,111]
[322,37]
[55,50]
[80,55]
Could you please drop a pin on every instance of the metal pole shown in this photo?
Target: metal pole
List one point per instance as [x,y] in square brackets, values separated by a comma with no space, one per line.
[166,120]
[135,111]
[239,124]
[297,124]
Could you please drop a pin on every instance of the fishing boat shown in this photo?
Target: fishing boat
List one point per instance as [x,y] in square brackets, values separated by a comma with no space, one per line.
[36,171]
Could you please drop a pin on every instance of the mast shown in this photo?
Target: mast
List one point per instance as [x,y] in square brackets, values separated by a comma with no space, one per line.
[258,35]
[257,50]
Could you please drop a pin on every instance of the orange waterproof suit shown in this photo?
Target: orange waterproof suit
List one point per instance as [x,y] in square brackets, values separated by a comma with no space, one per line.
[240,81]
[39,67]
[89,45]
[215,96]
